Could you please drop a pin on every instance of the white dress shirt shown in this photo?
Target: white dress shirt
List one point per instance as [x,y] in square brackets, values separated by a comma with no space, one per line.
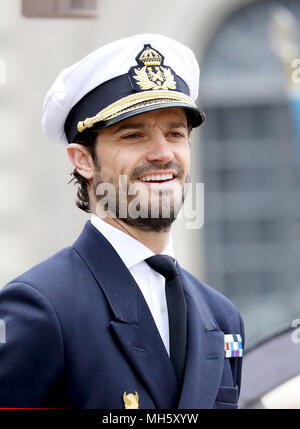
[152,285]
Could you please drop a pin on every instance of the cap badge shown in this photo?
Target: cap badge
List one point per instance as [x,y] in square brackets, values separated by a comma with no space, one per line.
[131,401]
[151,73]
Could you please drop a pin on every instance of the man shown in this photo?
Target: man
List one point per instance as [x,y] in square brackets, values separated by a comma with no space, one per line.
[113,321]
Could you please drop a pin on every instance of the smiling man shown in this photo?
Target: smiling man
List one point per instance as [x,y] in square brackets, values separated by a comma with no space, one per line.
[114,321]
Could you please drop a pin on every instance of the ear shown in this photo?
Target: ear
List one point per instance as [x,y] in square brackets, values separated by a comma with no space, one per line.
[81,160]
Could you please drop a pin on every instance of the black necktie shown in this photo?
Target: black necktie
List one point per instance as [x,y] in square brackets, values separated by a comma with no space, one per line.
[166,266]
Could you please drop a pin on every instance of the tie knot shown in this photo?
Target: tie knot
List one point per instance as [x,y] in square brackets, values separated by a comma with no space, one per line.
[164,265]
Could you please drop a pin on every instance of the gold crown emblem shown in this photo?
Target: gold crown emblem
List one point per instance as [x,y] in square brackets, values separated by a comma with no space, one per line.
[150,57]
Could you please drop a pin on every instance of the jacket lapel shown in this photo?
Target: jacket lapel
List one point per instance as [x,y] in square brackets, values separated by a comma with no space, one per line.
[205,352]
[134,324]
[146,351]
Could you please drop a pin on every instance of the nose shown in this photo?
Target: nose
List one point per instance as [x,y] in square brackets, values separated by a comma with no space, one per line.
[160,150]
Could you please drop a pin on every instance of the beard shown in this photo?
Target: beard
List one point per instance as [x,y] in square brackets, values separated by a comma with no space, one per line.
[132,201]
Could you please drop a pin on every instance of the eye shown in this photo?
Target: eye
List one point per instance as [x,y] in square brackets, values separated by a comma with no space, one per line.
[132,136]
[176,134]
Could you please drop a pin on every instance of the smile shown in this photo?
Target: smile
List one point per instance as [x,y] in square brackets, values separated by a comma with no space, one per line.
[157,178]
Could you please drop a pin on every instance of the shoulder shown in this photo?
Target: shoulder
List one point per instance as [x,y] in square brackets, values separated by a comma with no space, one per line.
[49,276]
[223,310]
[213,296]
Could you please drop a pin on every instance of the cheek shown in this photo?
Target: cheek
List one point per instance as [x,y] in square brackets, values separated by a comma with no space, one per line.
[127,160]
[184,157]
[119,162]
[188,159]
[108,158]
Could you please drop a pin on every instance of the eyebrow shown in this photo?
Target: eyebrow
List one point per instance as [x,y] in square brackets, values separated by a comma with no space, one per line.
[141,126]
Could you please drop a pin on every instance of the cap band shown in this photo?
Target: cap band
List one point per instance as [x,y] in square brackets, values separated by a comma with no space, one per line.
[133,102]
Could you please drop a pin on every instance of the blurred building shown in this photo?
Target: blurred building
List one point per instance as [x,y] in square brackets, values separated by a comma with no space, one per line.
[251,172]
[245,154]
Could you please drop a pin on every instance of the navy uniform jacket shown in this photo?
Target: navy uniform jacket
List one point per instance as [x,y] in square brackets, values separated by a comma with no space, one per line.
[79,334]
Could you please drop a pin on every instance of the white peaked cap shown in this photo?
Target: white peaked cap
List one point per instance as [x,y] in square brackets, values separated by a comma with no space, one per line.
[121,79]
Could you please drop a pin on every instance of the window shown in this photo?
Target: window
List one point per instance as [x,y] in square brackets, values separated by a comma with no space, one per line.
[59,8]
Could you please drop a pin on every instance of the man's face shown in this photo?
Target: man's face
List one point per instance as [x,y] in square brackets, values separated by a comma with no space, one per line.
[147,159]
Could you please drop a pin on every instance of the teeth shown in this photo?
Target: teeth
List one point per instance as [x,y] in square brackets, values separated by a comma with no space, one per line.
[157,177]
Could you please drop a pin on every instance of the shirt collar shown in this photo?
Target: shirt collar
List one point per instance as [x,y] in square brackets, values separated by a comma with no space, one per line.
[130,250]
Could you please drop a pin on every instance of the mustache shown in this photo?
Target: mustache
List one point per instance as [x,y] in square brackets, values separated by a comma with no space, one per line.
[144,169]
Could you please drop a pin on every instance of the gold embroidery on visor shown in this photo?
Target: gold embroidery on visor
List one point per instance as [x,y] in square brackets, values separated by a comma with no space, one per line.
[133,102]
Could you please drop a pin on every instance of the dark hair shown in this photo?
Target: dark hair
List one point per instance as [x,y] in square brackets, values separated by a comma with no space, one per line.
[83,201]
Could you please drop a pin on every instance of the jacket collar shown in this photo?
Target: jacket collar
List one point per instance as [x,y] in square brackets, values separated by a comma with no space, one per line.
[130,250]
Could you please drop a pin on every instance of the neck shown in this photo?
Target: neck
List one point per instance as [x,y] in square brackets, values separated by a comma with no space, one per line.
[155,241]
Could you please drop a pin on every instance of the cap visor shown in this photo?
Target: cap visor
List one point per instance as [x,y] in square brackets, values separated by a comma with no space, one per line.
[195,115]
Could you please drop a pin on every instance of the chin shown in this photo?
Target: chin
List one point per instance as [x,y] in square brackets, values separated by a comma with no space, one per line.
[158,224]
